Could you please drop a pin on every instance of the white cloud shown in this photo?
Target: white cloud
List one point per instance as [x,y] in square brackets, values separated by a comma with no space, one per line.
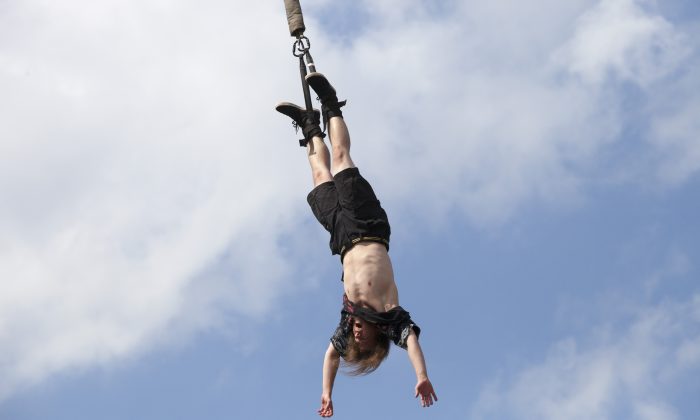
[618,372]
[135,155]
[674,128]
[620,38]
[486,92]
[624,40]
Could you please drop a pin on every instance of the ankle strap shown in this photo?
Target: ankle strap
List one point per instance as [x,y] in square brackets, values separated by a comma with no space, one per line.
[330,110]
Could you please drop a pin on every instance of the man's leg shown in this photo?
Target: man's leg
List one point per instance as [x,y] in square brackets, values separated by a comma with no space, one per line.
[333,118]
[319,159]
[340,143]
[317,151]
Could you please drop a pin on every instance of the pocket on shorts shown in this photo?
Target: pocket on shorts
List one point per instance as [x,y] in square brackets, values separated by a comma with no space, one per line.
[356,193]
[323,201]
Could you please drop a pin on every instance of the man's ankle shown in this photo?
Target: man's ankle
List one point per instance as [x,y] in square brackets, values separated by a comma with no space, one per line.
[308,121]
[332,110]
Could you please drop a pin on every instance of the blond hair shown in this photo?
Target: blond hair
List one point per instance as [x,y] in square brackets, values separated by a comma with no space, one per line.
[358,362]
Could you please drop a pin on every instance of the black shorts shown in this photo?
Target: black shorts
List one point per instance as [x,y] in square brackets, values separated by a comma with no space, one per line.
[348,208]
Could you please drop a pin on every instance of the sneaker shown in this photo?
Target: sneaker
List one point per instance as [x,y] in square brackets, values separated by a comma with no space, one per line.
[308,121]
[326,94]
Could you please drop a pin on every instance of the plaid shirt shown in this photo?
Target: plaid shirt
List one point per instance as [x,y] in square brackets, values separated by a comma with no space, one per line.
[395,324]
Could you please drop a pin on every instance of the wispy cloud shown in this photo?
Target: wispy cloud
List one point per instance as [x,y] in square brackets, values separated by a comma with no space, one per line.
[135,158]
[507,106]
[619,38]
[674,127]
[621,371]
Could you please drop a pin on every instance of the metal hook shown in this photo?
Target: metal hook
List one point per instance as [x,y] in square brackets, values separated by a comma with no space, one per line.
[301,46]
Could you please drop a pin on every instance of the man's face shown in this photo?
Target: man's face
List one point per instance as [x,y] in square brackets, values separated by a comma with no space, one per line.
[365,334]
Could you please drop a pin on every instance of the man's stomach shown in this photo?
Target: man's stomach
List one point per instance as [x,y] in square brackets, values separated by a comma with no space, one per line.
[369,277]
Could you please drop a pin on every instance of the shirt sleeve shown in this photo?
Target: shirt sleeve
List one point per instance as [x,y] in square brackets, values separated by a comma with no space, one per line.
[340,336]
[400,325]
[400,332]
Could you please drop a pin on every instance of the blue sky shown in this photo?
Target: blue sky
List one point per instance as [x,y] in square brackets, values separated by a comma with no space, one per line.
[539,163]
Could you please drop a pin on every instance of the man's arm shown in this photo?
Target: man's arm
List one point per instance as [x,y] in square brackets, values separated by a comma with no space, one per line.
[423,386]
[331,361]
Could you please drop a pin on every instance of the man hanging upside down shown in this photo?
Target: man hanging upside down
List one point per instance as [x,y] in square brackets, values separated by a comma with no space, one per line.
[345,204]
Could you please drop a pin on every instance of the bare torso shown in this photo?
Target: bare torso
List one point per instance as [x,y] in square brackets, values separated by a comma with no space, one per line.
[369,277]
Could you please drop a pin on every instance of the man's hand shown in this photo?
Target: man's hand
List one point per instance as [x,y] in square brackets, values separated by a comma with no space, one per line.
[326,409]
[425,389]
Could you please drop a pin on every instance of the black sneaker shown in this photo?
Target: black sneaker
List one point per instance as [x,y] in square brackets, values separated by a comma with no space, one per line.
[308,121]
[326,94]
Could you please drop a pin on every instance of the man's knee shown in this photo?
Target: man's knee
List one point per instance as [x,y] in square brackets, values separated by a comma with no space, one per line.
[341,155]
[321,175]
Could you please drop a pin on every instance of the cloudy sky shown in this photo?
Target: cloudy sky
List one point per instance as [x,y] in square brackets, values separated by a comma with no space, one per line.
[538,160]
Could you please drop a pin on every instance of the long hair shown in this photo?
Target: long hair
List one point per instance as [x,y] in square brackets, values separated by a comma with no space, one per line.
[357,362]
